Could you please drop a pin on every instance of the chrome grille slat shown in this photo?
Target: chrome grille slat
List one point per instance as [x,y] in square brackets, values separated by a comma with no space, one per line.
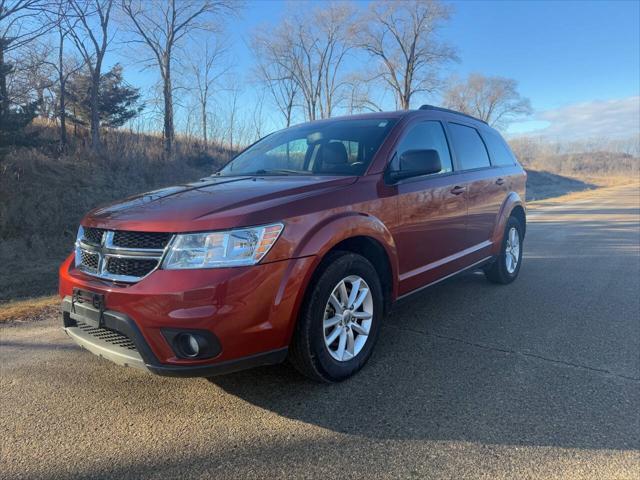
[121,256]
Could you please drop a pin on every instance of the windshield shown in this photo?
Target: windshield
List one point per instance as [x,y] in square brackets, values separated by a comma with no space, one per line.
[342,147]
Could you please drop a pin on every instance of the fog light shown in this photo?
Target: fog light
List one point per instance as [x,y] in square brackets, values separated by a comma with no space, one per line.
[190,344]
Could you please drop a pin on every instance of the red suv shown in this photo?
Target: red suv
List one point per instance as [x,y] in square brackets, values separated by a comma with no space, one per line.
[297,247]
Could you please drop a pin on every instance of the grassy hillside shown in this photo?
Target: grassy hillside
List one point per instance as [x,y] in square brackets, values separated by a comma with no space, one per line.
[43,196]
[586,162]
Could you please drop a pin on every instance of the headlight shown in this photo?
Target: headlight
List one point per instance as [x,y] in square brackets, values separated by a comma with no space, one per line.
[231,248]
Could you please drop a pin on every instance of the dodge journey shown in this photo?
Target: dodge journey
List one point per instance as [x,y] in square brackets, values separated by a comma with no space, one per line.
[297,247]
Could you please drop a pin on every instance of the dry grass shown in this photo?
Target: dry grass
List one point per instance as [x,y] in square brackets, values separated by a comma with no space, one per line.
[611,181]
[556,169]
[43,196]
[587,164]
[29,310]
[588,161]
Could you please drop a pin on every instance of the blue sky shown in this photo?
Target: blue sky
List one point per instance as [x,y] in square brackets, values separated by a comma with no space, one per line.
[566,56]
[578,62]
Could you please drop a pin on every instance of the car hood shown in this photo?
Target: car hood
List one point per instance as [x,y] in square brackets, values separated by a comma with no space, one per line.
[217,203]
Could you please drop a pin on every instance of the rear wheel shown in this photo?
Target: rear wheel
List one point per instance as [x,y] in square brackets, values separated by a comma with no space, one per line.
[340,320]
[506,267]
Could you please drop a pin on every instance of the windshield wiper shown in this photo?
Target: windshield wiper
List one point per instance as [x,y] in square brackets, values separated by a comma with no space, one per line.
[262,171]
[280,171]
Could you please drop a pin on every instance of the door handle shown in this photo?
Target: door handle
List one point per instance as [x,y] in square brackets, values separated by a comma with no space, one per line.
[500,181]
[457,190]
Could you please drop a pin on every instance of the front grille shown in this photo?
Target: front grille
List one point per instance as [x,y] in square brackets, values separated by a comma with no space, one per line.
[90,260]
[121,256]
[126,239]
[130,267]
[93,235]
[107,335]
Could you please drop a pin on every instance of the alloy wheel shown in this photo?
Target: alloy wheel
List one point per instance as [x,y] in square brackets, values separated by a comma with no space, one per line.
[512,250]
[348,316]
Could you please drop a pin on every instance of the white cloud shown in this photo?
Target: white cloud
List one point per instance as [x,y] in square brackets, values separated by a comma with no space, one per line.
[619,118]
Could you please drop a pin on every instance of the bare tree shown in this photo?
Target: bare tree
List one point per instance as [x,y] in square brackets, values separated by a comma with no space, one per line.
[493,99]
[403,38]
[162,25]
[29,76]
[277,79]
[335,38]
[257,119]
[33,76]
[21,22]
[88,26]
[65,67]
[360,95]
[207,69]
[63,64]
[309,50]
[233,124]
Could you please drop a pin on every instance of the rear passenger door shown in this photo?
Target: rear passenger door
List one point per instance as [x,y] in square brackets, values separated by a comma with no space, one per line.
[485,189]
[502,160]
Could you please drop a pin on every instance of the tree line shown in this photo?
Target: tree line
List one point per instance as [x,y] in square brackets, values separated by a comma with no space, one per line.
[318,61]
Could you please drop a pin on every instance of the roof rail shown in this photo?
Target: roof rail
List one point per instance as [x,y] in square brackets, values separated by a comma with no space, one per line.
[448,110]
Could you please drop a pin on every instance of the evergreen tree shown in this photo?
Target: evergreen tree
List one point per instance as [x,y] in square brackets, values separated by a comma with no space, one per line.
[118,102]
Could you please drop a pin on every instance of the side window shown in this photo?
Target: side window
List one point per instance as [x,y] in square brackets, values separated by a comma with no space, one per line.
[469,147]
[427,136]
[498,149]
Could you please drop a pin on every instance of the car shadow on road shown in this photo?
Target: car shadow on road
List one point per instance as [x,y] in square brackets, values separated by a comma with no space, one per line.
[423,385]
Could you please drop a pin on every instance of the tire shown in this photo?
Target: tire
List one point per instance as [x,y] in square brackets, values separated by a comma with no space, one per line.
[312,351]
[502,270]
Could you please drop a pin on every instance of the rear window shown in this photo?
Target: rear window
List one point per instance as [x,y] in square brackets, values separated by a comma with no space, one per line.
[468,146]
[498,149]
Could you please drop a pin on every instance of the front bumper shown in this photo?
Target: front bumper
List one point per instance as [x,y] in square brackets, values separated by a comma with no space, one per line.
[106,342]
[251,312]
[118,339]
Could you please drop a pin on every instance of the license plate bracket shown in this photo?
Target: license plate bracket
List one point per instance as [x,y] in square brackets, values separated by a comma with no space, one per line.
[88,307]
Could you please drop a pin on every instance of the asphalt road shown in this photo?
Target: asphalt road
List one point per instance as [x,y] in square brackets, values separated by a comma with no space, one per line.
[539,379]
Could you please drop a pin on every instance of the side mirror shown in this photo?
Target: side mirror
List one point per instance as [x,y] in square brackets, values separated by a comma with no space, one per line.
[414,163]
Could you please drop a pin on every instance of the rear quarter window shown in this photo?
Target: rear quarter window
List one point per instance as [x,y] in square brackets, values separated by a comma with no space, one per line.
[469,147]
[498,150]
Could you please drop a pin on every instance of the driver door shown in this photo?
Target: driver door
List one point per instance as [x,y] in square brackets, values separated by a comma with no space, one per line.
[432,213]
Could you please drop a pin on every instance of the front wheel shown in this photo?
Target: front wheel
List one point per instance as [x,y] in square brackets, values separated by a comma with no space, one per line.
[340,319]
[506,267]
